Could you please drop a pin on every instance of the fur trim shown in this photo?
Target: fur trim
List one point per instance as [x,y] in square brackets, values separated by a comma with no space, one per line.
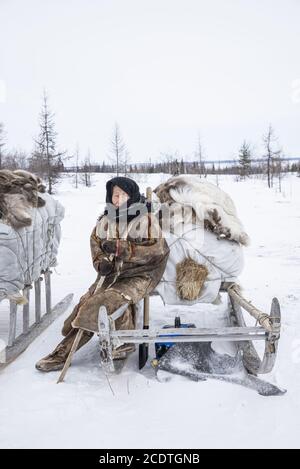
[190,277]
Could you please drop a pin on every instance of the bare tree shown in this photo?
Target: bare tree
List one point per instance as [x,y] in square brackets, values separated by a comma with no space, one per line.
[15,159]
[118,154]
[278,168]
[2,143]
[182,166]
[126,163]
[200,157]
[46,160]
[170,163]
[269,140]
[86,176]
[76,165]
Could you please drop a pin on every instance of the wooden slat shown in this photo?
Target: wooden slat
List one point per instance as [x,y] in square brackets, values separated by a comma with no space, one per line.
[26,293]
[47,276]
[173,331]
[23,340]
[193,338]
[12,322]
[37,294]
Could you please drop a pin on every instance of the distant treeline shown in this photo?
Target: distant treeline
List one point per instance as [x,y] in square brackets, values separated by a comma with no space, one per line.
[184,167]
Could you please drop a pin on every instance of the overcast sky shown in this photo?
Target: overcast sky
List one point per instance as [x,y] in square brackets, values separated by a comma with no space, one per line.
[163,69]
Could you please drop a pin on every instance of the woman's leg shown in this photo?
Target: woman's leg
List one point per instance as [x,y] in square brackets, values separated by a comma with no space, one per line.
[130,290]
[67,327]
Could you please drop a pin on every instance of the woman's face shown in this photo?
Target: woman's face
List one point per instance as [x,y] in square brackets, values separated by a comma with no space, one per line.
[119,196]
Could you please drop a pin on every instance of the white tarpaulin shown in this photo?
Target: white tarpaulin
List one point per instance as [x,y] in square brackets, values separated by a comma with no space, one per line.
[25,252]
[193,203]
[223,259]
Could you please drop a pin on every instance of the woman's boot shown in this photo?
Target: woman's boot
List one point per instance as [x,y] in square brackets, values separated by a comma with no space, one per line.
[56,360]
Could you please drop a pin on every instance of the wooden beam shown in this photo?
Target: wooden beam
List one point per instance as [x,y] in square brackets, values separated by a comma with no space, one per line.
[37,299]
[24,340]
[12,322]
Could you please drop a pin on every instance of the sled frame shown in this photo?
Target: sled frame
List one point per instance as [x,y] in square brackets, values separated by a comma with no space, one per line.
[237,332]
[16,344]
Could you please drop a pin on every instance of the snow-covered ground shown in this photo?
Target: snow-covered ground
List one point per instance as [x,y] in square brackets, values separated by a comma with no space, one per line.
[84,413]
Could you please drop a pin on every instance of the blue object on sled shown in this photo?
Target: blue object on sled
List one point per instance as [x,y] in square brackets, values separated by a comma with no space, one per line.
[162,347]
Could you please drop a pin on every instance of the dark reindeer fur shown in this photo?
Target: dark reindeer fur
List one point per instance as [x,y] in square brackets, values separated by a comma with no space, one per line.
[18,195]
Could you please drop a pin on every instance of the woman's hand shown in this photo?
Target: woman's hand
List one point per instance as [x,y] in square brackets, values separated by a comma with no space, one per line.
[105,266]
[119,247]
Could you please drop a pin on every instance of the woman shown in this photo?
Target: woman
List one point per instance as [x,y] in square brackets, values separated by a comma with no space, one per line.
[129,255]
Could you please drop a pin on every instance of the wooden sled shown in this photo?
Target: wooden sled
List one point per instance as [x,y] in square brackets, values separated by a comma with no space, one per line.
[19,338]
[267,330]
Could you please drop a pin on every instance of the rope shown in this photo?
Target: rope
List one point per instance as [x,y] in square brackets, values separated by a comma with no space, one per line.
[197,250]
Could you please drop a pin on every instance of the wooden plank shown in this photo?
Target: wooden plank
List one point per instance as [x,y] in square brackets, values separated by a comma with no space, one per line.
[24,340]
[12,322]
[193,338]
[37,300]
[26,293]
[173,331]
[47,276]
[264,320]
[251,359]
[143,347]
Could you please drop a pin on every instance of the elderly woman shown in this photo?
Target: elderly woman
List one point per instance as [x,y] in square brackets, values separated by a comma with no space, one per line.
[129,255]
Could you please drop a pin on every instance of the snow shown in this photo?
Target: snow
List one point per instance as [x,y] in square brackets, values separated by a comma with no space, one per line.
[141,412]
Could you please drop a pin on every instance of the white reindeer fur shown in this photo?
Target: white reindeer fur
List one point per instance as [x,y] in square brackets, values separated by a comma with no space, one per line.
[207,196]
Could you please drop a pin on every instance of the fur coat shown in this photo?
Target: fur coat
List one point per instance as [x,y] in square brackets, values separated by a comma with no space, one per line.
[132,279]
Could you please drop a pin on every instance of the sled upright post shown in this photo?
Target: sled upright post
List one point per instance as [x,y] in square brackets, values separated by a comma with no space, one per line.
[144,348]
[26,322]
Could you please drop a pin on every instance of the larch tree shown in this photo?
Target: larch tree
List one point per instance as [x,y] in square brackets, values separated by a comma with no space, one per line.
[119,155]
[46,160]
[271,154]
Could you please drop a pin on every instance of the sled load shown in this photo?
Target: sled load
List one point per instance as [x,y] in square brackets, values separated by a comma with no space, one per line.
[30,234]
[206,239]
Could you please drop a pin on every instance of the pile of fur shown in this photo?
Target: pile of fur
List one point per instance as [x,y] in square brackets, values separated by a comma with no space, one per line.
[190,278]
[19,193]
[210,206]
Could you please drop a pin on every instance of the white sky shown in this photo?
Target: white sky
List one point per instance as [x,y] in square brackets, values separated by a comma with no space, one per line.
[163,69]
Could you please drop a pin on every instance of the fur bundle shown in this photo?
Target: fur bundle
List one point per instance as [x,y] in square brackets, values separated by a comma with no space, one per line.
[18,195]
[210,206]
